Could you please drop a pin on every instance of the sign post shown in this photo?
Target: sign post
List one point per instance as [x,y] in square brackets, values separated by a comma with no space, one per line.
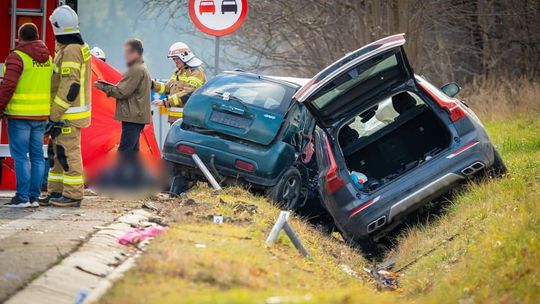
[216,57]
[218,18]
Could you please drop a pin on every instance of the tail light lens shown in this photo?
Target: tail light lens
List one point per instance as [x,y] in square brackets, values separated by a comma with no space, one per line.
[451,105]
[242,165]
[185,149]
[333,181]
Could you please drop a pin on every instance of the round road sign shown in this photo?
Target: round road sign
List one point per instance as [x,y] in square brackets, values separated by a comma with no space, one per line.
[218,17]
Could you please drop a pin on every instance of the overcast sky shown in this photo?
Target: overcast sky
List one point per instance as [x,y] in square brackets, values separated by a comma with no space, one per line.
[108,23]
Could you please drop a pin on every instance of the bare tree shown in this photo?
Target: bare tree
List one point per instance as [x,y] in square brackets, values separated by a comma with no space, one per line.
[446,40]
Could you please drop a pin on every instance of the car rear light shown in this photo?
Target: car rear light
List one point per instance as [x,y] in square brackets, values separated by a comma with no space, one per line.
[451,105]
[463,149]
[242,165]
[364,206]
[184,149]
[333,181]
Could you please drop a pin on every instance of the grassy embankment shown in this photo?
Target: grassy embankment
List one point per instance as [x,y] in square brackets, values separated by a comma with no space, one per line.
[492,255]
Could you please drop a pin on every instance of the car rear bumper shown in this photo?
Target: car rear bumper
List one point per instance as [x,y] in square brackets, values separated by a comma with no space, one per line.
[360,216]
[221,154]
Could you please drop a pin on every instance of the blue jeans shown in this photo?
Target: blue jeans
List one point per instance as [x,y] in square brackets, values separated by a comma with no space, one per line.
[26,148]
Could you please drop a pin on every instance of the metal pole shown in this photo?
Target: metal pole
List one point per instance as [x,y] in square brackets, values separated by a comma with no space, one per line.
[282,224]
[206,172]
[216,57]
[13,22]
[282,219]
[295,240]
[44,20]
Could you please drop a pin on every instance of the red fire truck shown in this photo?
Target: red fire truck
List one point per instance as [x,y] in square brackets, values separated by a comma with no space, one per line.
[14,13]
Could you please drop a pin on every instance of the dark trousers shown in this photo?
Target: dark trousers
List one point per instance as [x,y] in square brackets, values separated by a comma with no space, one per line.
[127,174]
[129,141]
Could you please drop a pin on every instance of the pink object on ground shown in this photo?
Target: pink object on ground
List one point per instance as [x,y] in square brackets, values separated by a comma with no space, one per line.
[137,235]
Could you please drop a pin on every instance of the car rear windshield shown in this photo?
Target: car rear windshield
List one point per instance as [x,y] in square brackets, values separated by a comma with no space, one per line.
[353,78]
[250,91]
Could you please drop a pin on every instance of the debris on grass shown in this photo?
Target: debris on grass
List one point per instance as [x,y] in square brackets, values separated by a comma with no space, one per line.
[348,270]
[218,219]
[384,279]
[150,206]
[289,299]
[136,235]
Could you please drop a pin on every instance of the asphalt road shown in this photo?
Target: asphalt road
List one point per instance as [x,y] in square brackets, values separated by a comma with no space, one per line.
[33,240]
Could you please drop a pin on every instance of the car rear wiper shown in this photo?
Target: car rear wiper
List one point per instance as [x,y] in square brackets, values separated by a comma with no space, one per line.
[229,96]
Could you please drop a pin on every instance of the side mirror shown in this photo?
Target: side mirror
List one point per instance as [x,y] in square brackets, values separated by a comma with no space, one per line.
[451,89]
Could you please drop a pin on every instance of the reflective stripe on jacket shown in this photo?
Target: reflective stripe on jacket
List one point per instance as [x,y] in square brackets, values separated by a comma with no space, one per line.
[181,83]
[31,96]
[72,66]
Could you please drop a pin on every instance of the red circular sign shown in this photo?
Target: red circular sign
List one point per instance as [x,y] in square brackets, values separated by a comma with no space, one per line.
[218,17]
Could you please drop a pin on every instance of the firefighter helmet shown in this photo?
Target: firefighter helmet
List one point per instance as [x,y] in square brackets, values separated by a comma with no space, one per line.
[64,21]
[181,50]
[99,53]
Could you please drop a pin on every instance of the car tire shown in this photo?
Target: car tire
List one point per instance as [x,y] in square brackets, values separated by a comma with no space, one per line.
[173,181]
[286,193]
[498,168]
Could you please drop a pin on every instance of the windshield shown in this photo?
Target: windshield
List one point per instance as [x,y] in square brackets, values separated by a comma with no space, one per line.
[352,78]
[248,91]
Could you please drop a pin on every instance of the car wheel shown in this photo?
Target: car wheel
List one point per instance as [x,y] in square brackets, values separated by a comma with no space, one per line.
[286,193]
[173,181]
[498,168]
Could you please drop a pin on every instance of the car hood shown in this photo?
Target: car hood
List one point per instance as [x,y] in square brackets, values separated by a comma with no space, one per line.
[231,118]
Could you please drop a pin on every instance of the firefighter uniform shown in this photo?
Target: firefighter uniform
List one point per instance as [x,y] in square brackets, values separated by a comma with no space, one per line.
[181,84]
[71,109]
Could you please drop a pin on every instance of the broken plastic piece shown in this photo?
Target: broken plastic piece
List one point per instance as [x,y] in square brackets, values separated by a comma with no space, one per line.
[137,235]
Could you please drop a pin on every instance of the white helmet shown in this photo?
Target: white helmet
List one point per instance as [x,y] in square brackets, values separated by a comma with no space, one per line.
[64,21]
[98,53]
[182,51]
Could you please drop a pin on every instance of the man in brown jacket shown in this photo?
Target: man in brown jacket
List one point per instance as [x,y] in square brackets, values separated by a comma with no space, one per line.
[132,95]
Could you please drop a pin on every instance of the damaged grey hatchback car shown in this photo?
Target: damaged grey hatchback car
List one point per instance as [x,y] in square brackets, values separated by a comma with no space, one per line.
[388,141]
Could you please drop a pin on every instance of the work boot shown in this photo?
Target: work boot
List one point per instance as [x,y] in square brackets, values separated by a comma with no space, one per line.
[45,200]
[65,201]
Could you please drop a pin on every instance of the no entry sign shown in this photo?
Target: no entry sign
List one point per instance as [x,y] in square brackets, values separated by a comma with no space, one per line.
[218,17]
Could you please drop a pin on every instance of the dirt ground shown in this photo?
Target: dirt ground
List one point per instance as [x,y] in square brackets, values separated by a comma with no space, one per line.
[33,240]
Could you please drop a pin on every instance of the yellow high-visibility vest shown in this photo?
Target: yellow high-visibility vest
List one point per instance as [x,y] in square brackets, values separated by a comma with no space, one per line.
[32,96]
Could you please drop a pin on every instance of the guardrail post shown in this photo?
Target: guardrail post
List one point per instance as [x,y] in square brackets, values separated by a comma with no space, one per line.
[206,172]
[283,224]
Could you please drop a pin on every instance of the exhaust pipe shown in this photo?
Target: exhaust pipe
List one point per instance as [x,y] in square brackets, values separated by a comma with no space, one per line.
[474,168]
[376,224]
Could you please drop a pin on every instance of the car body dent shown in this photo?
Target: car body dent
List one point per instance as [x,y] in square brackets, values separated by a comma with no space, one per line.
[271,157]
[352,209]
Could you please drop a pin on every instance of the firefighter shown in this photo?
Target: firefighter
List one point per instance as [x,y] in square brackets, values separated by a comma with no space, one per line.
[70,110]
[189,75]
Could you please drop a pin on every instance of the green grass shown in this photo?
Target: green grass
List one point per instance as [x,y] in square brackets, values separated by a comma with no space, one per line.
[495,256]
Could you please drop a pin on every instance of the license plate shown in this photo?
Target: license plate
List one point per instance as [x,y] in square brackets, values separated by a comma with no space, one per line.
[230,120]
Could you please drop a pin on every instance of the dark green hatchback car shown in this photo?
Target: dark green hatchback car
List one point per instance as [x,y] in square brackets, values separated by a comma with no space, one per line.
[247,129]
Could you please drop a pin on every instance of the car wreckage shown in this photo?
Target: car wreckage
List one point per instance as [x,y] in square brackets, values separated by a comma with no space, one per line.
[247,129]
[386,141]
